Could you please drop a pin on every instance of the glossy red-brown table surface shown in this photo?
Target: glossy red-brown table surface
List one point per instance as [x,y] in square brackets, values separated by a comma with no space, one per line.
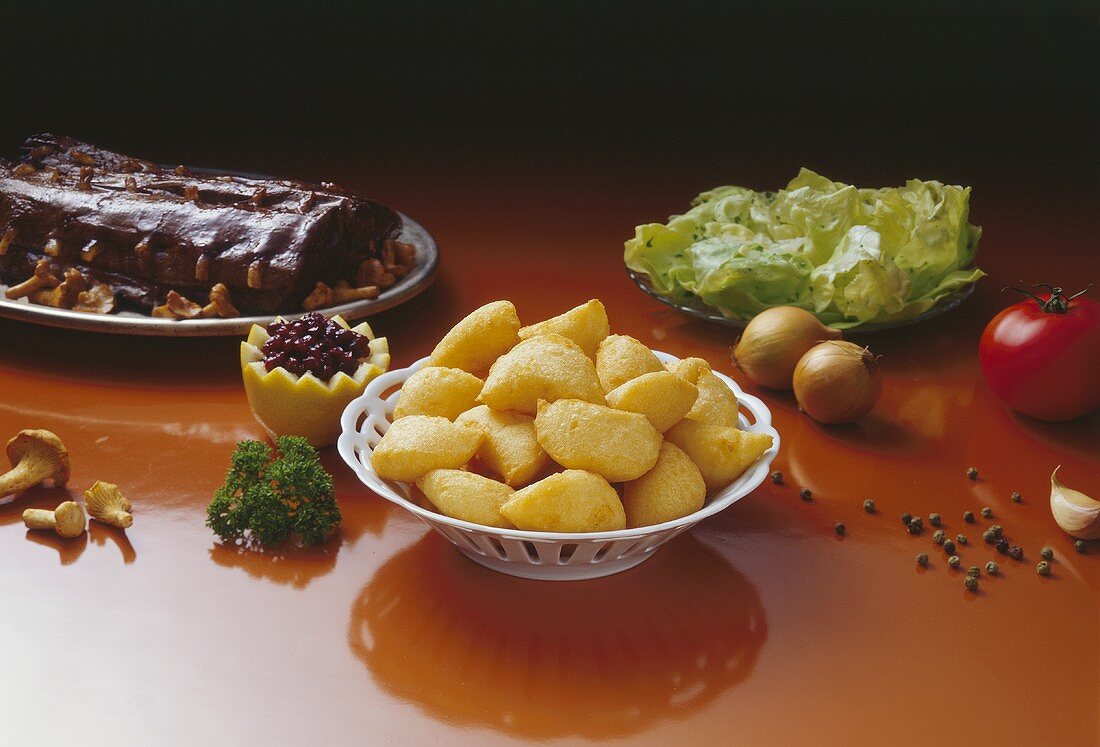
[759,625]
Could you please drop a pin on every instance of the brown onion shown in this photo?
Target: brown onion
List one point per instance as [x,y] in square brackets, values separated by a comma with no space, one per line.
[774,341]
[837,382]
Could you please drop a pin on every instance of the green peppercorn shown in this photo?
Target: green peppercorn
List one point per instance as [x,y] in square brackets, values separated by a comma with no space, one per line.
[1046,553]
[1080,546]
[997,531]
[939,536]
[777,477]
[987,511]
[906,518]
[1015,496]
[869,506]
[974,571]
[971,583]
[839,527]
[934,520]
[989,536]
[991,568]
[948,547]
[968,517]
[805,494]
[972,473]
[922,560]
[954,561]
[1043,568]
[961,539]
[915,526]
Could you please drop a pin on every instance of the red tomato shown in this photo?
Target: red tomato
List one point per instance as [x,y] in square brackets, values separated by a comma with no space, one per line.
[1042,356]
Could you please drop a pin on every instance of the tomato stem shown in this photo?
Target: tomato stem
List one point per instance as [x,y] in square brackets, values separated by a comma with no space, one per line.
[1057,303]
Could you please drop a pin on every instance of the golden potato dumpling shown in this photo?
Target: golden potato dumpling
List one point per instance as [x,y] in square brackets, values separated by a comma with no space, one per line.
[661,396]
[417,444]
[720,452]
[672,489]
[570,501]
[466,496]
[615,444]
[689,369]
[475,342]
[585,325]
[546,367]
[716,403]
[620,358]
[442,392]
[510,448]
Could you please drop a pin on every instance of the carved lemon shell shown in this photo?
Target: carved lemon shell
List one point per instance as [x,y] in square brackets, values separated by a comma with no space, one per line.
[287,404]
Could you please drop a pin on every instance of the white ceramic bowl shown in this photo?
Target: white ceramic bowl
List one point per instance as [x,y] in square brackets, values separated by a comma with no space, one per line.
[552,556]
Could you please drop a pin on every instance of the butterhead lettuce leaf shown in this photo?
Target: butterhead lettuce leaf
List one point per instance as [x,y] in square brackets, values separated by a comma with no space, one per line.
[849,255]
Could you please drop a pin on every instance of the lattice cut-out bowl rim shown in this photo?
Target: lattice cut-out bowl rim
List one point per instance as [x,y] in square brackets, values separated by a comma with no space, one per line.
[520,552]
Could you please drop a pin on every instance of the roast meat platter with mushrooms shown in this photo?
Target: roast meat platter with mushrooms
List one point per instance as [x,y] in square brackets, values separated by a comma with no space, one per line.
[99,241]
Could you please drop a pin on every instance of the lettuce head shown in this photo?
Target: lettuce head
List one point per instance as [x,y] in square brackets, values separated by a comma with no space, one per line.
[849,255]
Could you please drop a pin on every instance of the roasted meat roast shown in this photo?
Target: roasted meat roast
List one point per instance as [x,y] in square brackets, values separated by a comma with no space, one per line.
[80,225]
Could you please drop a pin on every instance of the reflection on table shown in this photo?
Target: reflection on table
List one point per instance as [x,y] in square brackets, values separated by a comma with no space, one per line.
[539,659]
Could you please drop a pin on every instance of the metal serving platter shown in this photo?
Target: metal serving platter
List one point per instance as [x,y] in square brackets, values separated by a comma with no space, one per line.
[134,323]
[700,310]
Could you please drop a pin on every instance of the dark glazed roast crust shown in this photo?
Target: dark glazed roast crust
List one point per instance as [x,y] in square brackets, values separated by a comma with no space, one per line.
[145,230]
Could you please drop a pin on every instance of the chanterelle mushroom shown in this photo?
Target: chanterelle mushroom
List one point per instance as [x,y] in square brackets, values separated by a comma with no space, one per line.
[100,299]
[177,306]
[342,292]
[67,519]
[65,295]
[318,298]
[42,278]
[220,305]
[106,503]
[36,456]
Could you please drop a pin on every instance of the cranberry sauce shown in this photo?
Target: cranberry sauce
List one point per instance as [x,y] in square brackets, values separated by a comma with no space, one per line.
[315,344]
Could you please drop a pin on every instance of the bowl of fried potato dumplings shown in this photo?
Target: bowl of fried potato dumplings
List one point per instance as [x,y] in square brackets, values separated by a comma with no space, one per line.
[558,450]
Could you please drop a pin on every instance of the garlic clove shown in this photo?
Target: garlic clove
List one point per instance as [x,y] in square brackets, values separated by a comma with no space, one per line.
[1075,512]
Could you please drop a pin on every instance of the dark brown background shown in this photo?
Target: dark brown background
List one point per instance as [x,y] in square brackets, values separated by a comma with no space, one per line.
[997,95]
